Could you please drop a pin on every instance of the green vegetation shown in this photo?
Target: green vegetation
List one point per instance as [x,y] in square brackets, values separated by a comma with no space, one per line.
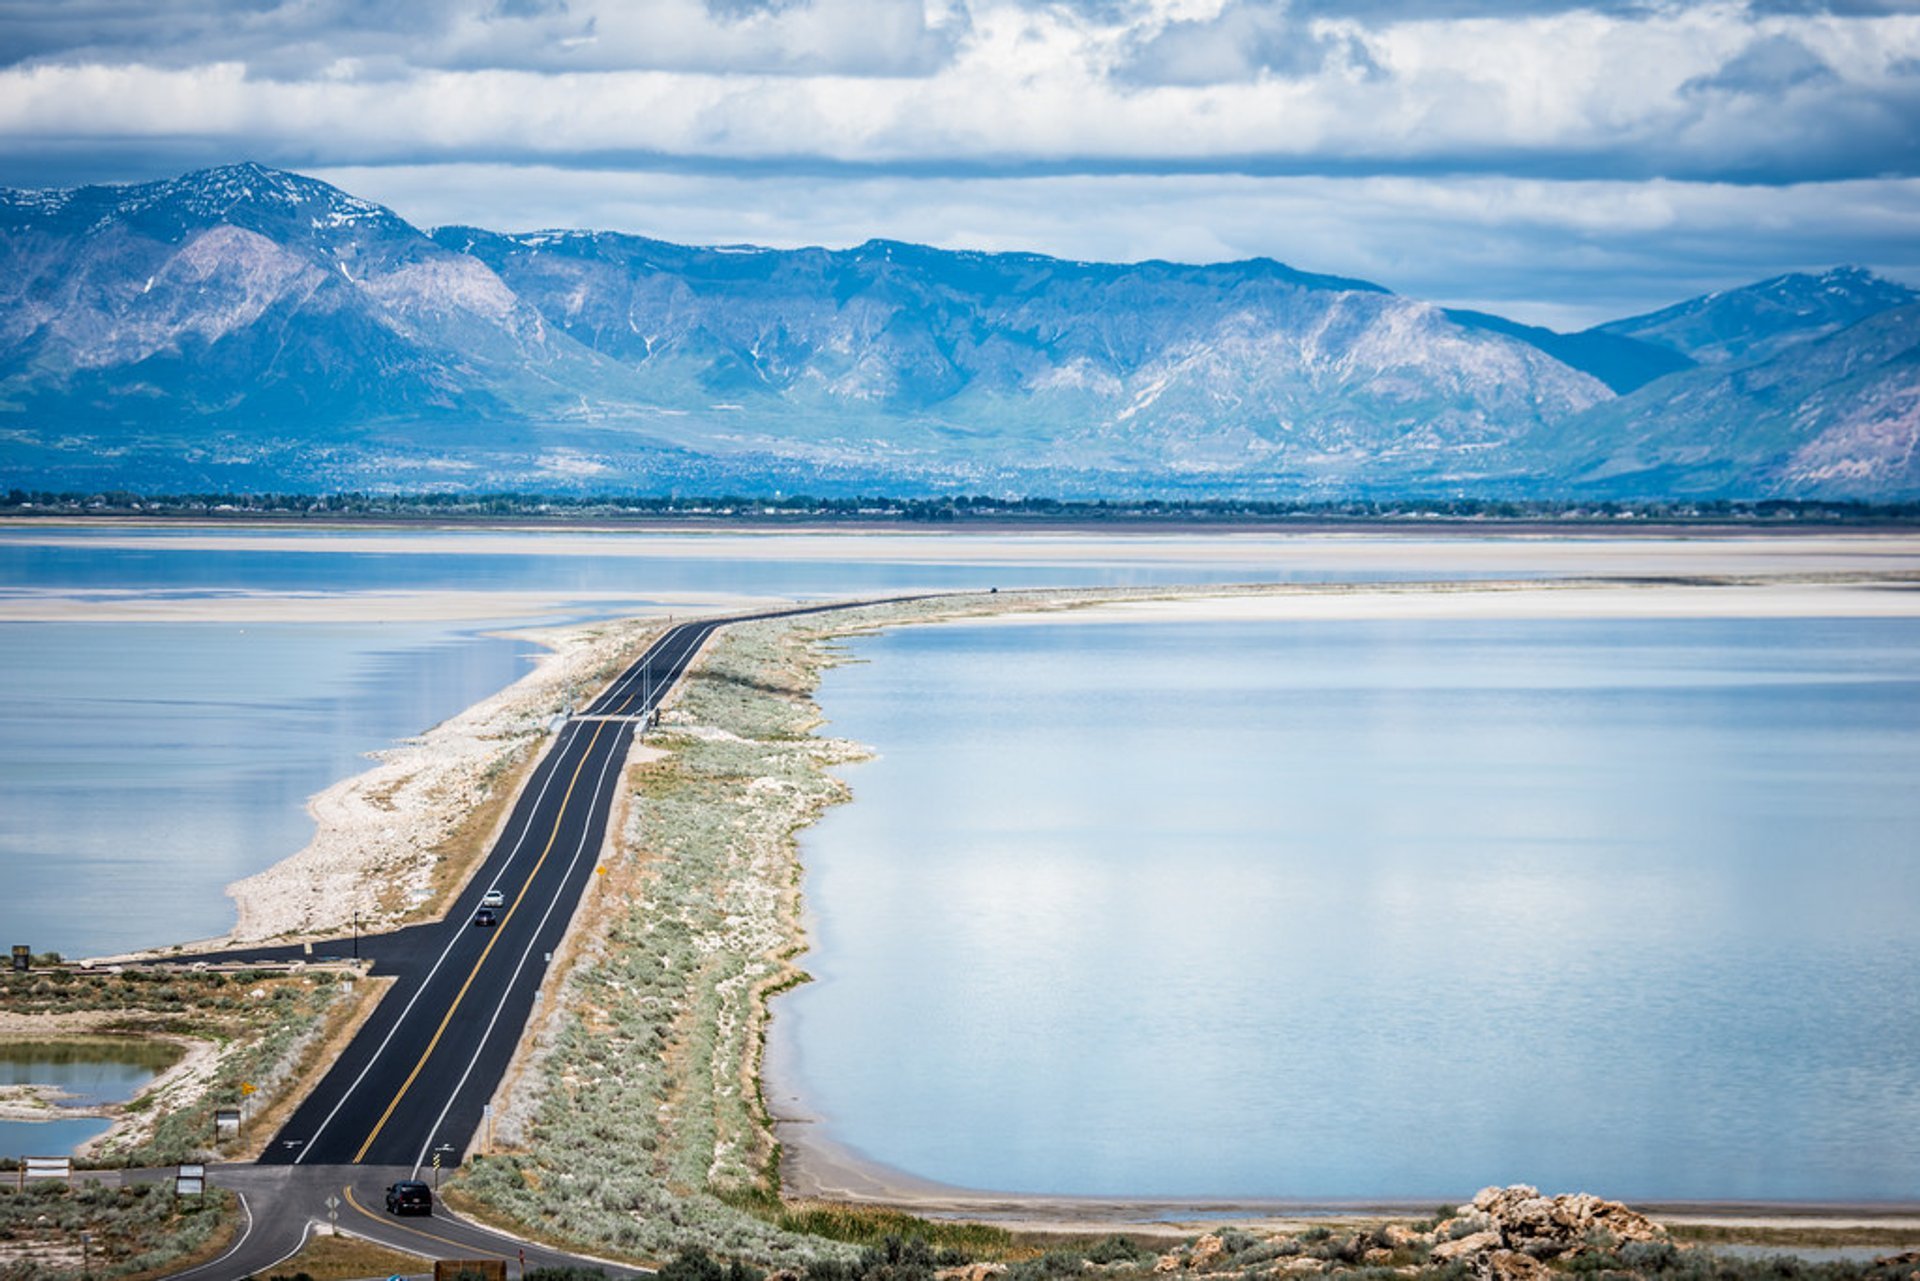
[648,1133]
[873,1225]
[52,1230]
[263,1026]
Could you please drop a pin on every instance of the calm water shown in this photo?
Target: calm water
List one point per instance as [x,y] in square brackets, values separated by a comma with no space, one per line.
[89,1074]
[1373,909]
[145,766]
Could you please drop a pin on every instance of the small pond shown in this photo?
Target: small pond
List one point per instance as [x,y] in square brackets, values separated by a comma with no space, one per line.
[89,1072]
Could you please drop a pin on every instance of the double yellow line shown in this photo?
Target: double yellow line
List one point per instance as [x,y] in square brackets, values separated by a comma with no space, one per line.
[440,1031]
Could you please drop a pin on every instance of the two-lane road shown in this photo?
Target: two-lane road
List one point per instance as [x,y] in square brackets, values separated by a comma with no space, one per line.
[415,1081]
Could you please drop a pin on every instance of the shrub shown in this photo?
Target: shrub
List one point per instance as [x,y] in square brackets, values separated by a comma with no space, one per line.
[1116,1249]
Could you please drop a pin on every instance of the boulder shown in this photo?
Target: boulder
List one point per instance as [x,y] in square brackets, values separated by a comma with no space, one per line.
[1511,1265]
[1549,1226]
[1206,1252]
[970,1272]
[1472,1243]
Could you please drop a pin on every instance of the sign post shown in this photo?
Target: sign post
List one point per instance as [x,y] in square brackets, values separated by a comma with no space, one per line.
[333,1214]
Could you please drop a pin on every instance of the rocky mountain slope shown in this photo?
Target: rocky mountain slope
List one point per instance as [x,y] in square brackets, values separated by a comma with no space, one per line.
[248,328]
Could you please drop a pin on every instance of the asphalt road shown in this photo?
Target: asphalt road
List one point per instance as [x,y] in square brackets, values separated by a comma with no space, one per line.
[412,1086]
[282,1205]
[408,1094]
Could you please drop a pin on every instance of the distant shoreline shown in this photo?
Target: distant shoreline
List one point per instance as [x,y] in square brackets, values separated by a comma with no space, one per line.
[819,1168]
[1116,526]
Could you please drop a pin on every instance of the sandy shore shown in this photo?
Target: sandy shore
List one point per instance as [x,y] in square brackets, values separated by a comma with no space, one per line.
[1858,598]
[815,1167]
[1426,553]
[52,605]
[380,836]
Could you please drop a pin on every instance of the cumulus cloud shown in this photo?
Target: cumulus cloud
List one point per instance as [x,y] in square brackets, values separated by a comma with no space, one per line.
[1642,96]
[363,39]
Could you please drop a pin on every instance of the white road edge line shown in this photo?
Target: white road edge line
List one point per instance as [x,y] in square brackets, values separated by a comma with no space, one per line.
[453,940]
[613,759]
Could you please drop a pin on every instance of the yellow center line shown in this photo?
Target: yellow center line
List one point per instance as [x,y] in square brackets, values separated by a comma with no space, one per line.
[485,952]
[468,1251]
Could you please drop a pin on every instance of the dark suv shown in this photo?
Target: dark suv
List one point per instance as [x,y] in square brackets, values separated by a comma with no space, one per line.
[409,1197]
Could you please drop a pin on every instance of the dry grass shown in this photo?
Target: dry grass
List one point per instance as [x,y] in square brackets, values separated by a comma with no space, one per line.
[1810,1236]
[342,1258]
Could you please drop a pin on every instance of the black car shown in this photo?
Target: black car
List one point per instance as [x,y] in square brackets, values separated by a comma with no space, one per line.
[485,916]
[409,1197]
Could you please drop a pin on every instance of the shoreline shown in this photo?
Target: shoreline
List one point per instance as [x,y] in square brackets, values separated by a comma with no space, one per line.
[418,778]
[814,1166]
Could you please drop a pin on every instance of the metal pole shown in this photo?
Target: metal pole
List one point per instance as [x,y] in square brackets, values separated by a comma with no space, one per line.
[356,936]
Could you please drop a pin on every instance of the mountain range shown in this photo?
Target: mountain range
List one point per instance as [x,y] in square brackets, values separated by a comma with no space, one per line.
[245,328]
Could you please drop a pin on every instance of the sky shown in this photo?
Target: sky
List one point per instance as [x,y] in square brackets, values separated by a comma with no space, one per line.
[1558,163]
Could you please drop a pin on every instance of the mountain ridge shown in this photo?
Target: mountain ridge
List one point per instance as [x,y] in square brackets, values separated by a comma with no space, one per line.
[245,325]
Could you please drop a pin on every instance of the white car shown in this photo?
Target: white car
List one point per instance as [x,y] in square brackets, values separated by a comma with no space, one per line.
[493,898]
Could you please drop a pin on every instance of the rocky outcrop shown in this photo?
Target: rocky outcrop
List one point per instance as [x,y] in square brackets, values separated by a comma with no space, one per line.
[1503,1234]
[1519,1220]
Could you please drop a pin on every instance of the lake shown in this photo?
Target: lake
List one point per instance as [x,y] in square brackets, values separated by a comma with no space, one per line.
[1384,909]
[88,1073]
[145,764]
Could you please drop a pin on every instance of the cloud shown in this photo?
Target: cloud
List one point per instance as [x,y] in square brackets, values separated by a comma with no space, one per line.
[1243,41]
[1451,118]
[1578,94]
[1768,65]
[383,39]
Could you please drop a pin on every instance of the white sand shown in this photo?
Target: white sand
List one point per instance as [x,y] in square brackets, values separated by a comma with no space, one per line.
[50,605]
[1507,600]
[379,831]
[1438,555]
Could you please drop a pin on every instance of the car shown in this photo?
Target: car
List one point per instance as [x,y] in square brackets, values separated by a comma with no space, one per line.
[409,1196]
[493,898]
[485,916]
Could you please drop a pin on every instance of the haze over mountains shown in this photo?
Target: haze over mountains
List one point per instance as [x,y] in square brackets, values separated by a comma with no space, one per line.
[244,328]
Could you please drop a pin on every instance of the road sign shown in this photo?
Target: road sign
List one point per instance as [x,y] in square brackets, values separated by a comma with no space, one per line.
[246,1087]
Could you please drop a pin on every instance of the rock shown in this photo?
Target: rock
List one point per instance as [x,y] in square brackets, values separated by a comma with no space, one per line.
[1511,1265]
[1207,1251]
[1547,1227]
[1473,1243]
[1377,1257]
[1167,1263]
[1299,1267]
[1399,1235]
[970,1272]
